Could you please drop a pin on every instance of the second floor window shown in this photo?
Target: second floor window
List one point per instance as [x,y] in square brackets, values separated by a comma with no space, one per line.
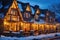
[26,15]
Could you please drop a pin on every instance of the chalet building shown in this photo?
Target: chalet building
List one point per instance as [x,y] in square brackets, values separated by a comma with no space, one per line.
[14,20]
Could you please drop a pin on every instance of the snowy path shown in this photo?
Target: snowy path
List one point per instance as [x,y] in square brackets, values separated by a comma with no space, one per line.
[30,37]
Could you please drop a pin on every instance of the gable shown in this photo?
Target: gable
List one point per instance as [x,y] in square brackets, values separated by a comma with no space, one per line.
[13,8]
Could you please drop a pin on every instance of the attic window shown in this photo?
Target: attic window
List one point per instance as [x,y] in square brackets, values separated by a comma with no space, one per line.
[14,11]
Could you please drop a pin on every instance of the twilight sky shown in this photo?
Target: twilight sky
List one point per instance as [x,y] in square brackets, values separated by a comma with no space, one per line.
[42,3]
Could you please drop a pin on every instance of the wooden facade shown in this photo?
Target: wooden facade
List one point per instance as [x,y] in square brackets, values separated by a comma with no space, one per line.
[12,18]
[13,21]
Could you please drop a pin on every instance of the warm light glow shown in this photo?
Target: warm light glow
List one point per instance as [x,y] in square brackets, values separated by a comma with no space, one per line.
[14,4]
[55,27]
[5,23]
[14,19]
[22,24]
[34,26]
[28,8]
[38,11]
[47,27]
[40,28]
[26,26]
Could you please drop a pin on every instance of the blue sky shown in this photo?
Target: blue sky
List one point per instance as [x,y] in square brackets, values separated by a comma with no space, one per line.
[44,4]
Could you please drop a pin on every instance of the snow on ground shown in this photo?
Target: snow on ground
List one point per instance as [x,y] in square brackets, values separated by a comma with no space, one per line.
[30,37]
